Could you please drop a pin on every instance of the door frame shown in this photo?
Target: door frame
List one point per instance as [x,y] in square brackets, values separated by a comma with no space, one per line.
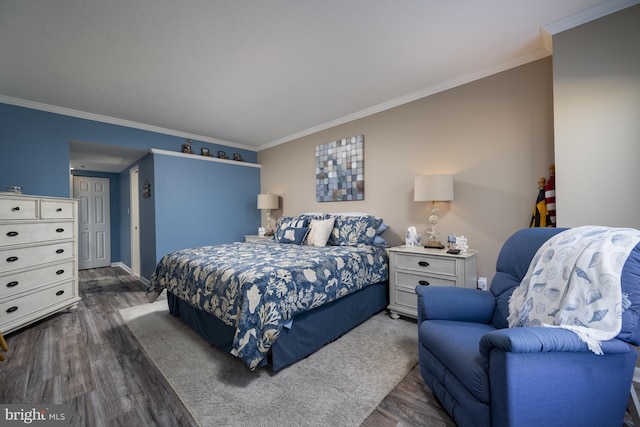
[134,214]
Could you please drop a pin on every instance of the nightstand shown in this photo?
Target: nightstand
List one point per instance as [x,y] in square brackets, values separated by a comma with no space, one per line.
[252,238]
[411,266]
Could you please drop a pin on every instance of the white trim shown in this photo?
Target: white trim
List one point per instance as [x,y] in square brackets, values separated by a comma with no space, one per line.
[199,157]
[123,266]
[120,122]
[588,15]
[414,96]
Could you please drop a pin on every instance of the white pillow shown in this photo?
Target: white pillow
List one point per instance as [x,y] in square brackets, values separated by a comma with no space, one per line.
[319,231]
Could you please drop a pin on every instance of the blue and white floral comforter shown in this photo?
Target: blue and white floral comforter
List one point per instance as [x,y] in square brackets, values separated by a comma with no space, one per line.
[257,287]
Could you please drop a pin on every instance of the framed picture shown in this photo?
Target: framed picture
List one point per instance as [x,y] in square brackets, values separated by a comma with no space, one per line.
[186,148]
[237,157]
[222,154]
[205,152]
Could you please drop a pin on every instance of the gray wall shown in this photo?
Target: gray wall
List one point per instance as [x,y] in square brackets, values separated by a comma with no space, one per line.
[596,79]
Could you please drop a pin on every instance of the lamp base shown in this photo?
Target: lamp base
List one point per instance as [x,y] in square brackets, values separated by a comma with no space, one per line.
[434,244]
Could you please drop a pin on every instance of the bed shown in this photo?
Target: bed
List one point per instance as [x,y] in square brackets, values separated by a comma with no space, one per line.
[275,302]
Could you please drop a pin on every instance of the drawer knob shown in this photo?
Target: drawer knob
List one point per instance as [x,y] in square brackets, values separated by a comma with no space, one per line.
[59,293]
[59,272]
[12,234]
[12,309]
[423,282]
[12,259]
[12,284]
[59,210]
[17,208]
[59,230]
[59,251]
[423,264]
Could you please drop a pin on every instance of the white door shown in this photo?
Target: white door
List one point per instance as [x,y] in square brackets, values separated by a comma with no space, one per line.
[135,227]
[94,230]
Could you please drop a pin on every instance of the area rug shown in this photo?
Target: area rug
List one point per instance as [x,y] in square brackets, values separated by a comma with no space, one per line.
[339,385]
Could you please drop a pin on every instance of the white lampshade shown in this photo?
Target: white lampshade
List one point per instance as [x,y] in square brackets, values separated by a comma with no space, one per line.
[267,201]
[433,188]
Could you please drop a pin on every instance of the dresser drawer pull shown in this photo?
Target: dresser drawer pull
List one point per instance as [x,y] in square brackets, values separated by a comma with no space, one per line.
[59,251]
[12,309]
[423,282]
[423,264]
[12,234]
[59,230]
[59,210]
[12,284]
[59,293]
[59,272]
[17,208]
[12,259]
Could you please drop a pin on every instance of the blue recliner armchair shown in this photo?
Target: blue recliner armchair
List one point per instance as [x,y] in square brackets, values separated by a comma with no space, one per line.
[487,374]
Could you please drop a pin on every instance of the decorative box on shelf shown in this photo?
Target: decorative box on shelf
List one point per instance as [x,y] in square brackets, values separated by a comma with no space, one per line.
[411,266]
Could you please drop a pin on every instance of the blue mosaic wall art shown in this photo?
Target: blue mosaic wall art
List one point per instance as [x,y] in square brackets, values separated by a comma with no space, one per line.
[340,170]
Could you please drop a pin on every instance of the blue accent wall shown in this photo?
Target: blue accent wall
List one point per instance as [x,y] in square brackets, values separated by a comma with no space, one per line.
[210,203]
[34,154]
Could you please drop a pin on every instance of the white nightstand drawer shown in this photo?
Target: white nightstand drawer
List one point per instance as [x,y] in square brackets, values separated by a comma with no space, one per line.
[410,281]
[16,258]
[30,303]
[23,281]
[426,264]
[18,233]
[406,298]
[18,208]
[56,209]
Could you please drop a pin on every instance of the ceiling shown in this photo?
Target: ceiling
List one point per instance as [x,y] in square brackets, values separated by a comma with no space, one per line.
[256,73]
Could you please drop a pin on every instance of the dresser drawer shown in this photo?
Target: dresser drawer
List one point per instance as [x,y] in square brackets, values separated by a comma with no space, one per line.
[31,303]
[23,281]
[56,209]
[426,264]
[15,258]
[410,281]
[19,233]
[406,298]
[18,208]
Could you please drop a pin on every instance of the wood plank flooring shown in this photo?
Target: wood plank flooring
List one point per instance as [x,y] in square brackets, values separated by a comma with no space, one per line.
[87,358]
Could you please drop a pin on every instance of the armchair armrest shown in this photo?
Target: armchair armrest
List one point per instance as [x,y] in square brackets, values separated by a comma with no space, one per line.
[448,303]
[542,340]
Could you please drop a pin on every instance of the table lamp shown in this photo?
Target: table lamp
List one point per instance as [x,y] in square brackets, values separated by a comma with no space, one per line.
[434,188]
[268,202]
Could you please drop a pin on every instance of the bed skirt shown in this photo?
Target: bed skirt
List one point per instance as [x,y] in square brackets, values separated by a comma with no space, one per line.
[308,333]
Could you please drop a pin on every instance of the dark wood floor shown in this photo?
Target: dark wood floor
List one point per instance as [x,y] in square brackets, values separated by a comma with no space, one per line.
[87,358]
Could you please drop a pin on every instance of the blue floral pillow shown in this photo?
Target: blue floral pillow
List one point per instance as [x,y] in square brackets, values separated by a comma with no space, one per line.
[354,230]
[293,235]
[285,222]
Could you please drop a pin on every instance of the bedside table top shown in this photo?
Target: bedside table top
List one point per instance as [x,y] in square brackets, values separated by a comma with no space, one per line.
[424,251]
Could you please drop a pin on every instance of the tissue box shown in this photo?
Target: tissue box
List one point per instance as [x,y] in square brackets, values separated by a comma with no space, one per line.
[412,239]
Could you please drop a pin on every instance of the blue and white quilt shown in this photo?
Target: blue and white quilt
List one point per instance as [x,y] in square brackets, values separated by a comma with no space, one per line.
[257,287]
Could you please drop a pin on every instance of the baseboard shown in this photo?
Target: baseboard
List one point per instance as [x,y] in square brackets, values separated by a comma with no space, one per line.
[126,268]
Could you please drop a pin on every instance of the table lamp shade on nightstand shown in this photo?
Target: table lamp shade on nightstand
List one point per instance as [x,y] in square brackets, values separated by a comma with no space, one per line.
[433,188]
[268,202]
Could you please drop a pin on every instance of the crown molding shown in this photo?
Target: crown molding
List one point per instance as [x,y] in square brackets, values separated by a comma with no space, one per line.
[119,122]
[588,15]
[414,96]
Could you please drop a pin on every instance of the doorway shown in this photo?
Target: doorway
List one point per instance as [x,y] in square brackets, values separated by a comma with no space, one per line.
[94,221]
[135,220]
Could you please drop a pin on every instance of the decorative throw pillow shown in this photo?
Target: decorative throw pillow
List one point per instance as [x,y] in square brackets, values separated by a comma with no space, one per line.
[286,222]
[319,231]
[293,235]
[354,230]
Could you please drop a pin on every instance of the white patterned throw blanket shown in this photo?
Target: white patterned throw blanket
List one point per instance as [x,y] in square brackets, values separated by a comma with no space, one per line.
[573,282]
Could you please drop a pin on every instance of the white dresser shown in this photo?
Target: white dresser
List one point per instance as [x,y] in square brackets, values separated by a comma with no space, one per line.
[417,266]
[38,258]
